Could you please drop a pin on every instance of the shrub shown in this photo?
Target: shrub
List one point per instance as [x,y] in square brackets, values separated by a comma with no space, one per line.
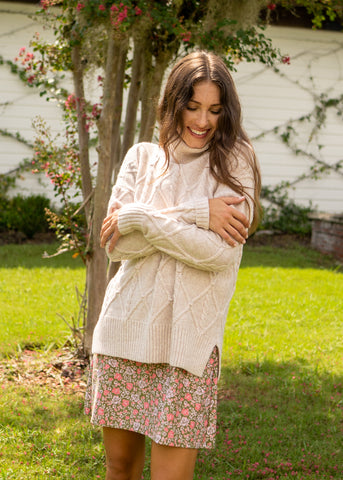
[24,214]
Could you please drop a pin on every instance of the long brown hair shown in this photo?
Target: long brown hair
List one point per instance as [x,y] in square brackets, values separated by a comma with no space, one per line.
[229,140]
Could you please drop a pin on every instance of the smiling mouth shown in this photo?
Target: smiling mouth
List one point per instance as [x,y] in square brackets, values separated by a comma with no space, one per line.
[197,133]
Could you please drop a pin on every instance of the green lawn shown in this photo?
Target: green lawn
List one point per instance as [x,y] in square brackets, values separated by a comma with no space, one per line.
[34,291]
[281,404]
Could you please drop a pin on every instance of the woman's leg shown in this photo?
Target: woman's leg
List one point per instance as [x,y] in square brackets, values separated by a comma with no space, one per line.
[172,463]
[125,454]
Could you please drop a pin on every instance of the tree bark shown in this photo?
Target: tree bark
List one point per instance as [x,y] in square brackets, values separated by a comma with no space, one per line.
[97,264]
[152,82]
[133,98]
[118,107]
[83,135]
[116,147]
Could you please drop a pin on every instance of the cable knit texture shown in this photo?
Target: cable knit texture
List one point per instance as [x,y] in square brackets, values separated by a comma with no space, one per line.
[169,300]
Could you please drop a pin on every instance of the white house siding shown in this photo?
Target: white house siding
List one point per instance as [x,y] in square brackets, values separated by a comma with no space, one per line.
[269,99]
[20,104]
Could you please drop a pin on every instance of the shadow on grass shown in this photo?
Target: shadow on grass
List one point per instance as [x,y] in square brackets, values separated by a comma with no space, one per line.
[277,420]
[31,256]
[293,255]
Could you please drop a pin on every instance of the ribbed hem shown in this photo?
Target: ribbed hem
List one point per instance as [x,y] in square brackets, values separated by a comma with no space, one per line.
[177,346]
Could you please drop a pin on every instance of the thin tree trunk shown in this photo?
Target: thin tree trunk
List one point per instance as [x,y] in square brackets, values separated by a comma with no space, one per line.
[118,107]
[146,90]
[133,98]
[152,82]
[83,135]
[97,265]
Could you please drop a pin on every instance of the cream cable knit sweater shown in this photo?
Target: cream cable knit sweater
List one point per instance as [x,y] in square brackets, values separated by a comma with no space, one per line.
[169,300]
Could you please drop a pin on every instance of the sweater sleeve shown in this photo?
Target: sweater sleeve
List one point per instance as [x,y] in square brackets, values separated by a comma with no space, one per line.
[134,245]
[194,246]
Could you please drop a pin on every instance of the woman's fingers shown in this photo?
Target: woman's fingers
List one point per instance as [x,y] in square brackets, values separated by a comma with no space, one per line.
[113,240]
[110,231]
[227,220]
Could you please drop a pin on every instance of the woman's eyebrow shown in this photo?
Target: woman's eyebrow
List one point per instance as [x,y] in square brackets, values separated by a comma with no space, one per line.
[213,105]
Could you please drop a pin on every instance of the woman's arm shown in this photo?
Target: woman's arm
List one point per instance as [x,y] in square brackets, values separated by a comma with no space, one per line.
[218,215]
[198,248]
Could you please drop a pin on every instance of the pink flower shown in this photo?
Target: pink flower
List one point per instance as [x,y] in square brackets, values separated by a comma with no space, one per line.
[118,376]
[188,397]
[125,403]
[138,11]
[171,434]
[186,36]
[170,417]
[271,6]
[114,8]
[116,391]
[197,406]
[185,412]
[122,15]
[286,60]
[102,7]
[100,411]
[129,386]
[79,7]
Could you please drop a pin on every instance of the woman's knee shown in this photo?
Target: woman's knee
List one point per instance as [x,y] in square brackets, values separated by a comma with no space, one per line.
[119,468]
[125,453]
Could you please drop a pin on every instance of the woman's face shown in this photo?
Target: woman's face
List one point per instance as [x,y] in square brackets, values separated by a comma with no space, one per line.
[200,117]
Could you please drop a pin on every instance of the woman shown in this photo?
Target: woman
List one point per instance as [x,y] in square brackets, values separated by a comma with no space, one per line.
[178,217]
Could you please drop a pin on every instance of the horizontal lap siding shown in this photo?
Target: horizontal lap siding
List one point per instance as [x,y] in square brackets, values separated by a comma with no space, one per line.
[270,100]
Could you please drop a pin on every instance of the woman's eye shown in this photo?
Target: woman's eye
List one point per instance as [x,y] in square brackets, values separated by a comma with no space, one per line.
[216,112]
[192,109]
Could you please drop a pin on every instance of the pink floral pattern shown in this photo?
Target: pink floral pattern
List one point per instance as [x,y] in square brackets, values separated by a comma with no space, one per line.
[167,404]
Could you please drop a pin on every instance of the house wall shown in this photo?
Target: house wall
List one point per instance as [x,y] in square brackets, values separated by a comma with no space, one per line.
[269,99]
[272,98]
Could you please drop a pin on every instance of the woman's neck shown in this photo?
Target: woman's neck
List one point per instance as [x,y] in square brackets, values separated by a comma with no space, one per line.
[182,153]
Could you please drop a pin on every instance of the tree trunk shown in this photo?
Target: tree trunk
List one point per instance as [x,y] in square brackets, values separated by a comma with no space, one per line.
[118,107]
[152,81]
[97,263]
[83,135]
[133,98]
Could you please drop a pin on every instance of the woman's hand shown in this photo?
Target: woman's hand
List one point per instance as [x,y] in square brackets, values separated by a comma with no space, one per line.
[109,229]
[231,224]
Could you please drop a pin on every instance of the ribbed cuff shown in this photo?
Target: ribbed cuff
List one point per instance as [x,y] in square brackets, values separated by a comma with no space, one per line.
[130,218]
[202,213]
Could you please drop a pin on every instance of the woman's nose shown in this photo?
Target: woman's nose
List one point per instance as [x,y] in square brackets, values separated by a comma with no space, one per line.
[202,119]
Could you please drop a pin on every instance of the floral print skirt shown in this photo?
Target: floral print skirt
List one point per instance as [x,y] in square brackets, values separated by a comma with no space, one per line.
[168,404]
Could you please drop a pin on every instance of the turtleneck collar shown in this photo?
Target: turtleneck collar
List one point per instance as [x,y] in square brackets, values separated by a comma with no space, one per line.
[182,153]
